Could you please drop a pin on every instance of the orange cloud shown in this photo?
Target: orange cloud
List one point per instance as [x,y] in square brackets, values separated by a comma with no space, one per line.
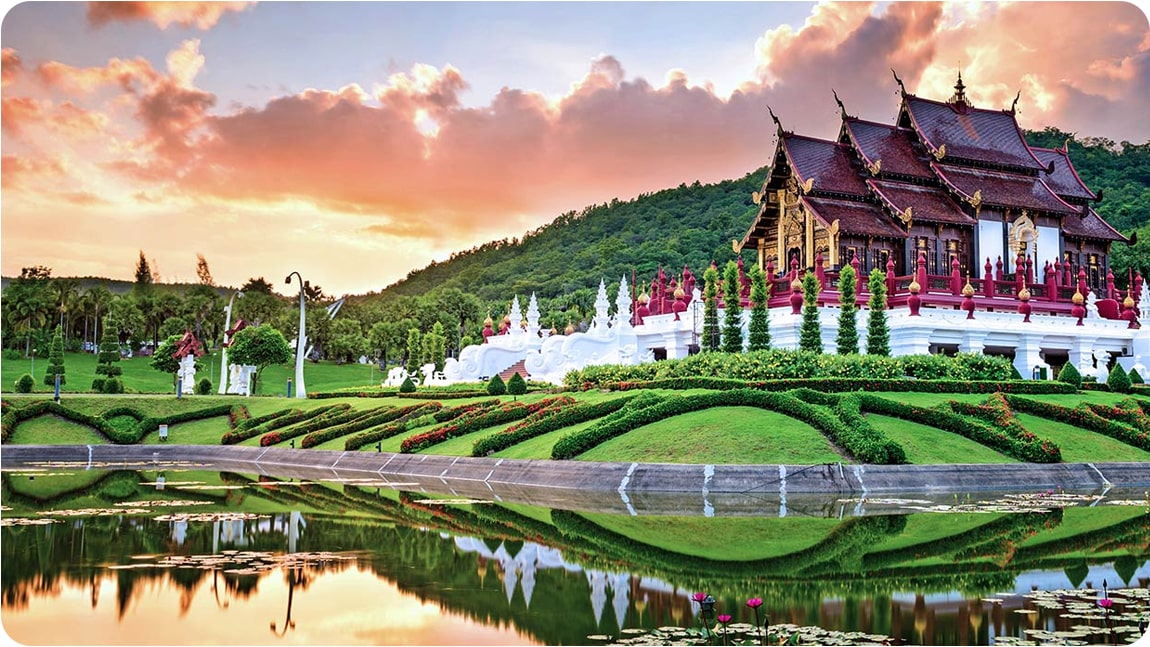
[17,171]
[10,65]
[203,15]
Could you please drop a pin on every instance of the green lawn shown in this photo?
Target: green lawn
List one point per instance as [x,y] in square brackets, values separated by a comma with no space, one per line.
[207,431]
[1079,520]
[728,435]
[921,528]
[924,444]
[50,430]
[461,445]
[721,538]
[1082,446]
[539,447]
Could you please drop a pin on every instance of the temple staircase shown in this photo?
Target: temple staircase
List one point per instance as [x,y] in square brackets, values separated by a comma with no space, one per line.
[517,367]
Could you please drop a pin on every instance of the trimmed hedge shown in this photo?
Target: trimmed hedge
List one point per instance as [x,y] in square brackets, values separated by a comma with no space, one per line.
[996,411]
[397,426]
[237,415]
[102,423]
[428,394]
[864,443]
[337,415]
[1128,411]
[259,420]
[366,420]
[480,420]
[290,417]
[324,395]
[838,385]
[443,415]
[1015,528]
[1023,449]
[1084,418]
[554,420]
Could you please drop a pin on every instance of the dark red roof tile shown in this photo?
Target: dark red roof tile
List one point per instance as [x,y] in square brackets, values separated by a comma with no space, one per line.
[989,136]
[829,163]
[1090,226]
[1001,188]
[893,146]
[862,218]
[928,204]
[1064,181]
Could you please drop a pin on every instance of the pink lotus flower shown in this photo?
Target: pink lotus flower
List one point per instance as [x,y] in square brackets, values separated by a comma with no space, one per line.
[755,603]
[724,618]
[1106,603]
[699,597]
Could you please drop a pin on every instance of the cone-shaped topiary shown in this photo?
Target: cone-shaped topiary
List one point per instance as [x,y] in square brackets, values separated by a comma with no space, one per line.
[408,386]
[109,355]
[1118,380]
[711,309]
[759,330]
[810,334]
[1135,378]
[516,385]
[56,359]
[204,386]
[25,383]
[496,386]
[847,341]
[877,332]
[1070,375]
[733,322]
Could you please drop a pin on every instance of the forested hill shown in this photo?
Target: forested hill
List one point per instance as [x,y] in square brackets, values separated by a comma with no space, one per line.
[689,225]
[694,224]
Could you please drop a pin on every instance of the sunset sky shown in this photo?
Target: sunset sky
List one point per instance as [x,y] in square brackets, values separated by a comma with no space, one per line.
[354,142]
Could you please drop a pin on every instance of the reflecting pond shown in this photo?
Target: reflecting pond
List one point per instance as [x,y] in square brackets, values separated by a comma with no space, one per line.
[191,556]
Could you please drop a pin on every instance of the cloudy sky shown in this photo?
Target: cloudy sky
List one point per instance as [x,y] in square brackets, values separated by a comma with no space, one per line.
[354,142]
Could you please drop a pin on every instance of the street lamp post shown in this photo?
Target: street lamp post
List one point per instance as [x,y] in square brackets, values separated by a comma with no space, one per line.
[301,341]
[224,355]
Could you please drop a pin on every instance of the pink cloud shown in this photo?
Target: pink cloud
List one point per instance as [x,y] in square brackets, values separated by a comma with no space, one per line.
[202,15]
[16,170]
[10,65]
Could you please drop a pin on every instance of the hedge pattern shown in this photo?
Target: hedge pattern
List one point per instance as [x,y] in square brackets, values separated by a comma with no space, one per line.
[323,395]
[366,420]
[444,415]
[1028,448]
[237,415]
[102,423]
[259,420]
[1084,418]
[554,420]
[865,444]
[1015,528]
[442,395]
[406,415]
[337,415]
[291,417]
[1128,412]
[480,420]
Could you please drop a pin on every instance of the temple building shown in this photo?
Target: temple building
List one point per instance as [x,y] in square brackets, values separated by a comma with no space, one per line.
[947,181]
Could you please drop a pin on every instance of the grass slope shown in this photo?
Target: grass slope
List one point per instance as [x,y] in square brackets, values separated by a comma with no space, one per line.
[924,444]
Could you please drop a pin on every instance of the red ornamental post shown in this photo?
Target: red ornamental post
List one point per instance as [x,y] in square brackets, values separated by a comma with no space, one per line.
[796,296]
[998,269]
[1109,284]
[820,274]
[956,277]
[1066,272]
[1019,272]
[794,267]
[988,280]
[1029,270]
[890,275]
[770,277]
[1128,312]
[1057,273]
[859,282]
[1138,288]
[968,299]
[914,302]
[1078,310]
[1051,284]
[920,271]
[1082,289]
[1024,306]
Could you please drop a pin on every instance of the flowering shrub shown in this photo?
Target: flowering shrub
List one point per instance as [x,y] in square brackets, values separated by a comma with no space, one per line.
[428,394]
[336,415]
[480,420]
[250,422]
[238,414]
[864,443]
[405,416]
[443,415]
[363,420]
[1127,411]
[353,393]
[553,419]
[1083,417]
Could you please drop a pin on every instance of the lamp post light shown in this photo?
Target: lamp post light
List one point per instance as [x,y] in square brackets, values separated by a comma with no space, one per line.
[301,341]
[224,355]
[707,606]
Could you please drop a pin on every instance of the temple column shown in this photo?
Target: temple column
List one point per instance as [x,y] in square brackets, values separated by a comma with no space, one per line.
[972,341]
[1082,355]
[1026,356]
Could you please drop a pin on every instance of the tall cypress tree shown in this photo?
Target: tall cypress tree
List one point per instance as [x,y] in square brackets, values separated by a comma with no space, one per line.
[56,359]
[877,333]
[414,349]
[810,335]
[733,323]
[711,309]
[109,355]
[438,346]
[759,337]
[847,341]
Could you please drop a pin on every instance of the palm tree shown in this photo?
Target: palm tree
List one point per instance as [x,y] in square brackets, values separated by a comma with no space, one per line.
[98,298]
[65,293]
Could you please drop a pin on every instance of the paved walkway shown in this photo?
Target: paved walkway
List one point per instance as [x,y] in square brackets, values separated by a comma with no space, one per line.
[687,489]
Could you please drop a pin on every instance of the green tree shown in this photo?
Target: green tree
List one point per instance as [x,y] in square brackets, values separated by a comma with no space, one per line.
[144,280]
[437,349]
[877,332]
[1135,377]
[733,323]
[173,326]
[203,273]
[414,348]
[1118,380]
[106,361]
[384,337]
[496,386]
[759,330]
[810,334]
[347,342]
[711,308]
[163,361]
[27,303]
[408,385]
[1068,374]
[125,319]
[516,385]
[261,347]
[847,341]
[56,359]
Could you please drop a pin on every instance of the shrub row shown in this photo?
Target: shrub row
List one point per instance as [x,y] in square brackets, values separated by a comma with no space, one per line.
[407,415]
[996,411]
[1022,449]
[353,393]
[442,395]
[443,415]
[337,415]
[480,420]
[366,420]
[102,423]
[778,364]
[1127,412]
[1084,418]
[290,417]
[259,420]
[865,444]
[555,419]
[1014,526]
[837,385]
[237,414]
